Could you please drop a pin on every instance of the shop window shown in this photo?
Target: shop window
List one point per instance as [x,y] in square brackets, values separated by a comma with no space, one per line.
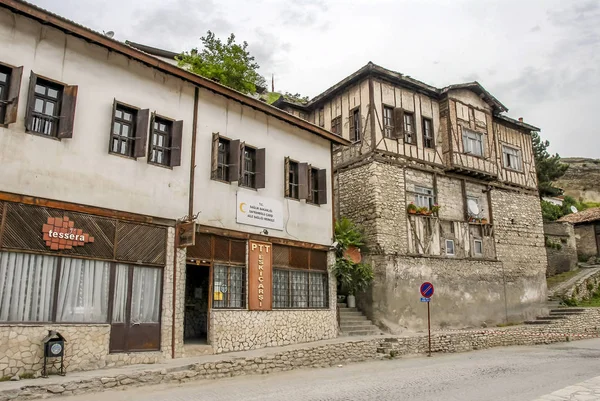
[10,85]
[50,108]
[83,291]
[27,284]
[145,295]
[233,160]
[299,289]
[165,141]
[229,284]
[129,131]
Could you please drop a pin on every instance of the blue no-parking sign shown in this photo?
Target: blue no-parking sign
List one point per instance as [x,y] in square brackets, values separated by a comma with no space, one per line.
[426,289]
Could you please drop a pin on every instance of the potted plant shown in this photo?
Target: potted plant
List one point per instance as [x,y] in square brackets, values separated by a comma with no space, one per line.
[423,210]
[412,208]
[484,221]
[352,274]
[435,209]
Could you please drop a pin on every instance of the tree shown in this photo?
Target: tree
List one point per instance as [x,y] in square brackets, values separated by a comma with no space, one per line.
[229,63]
[352,276]
[549,168]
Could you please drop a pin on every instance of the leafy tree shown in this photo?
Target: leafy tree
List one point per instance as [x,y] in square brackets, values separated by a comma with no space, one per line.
[549,168]
[229,63]
[552,212]
[296,97]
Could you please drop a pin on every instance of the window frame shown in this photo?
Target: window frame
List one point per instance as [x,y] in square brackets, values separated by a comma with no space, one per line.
[409,135]
[244,286]
[47,84]
[451,241]
[293,170]
[4,101]
[355,125]
[424,193]
[388,121]
[313,183]
[336,125]
[223,167]
[290,294]
[478,139]
[248,176]
[133,127]
[475,241]
[506,161]
[169,140]
[427,138]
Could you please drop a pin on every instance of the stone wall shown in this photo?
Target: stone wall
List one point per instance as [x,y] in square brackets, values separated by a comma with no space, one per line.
[584,288]
[586,242]
[561,247]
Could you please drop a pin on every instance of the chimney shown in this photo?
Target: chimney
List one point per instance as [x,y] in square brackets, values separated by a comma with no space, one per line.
[520,119]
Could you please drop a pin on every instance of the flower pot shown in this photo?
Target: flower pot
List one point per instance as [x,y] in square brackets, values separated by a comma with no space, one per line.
[484,221]
[353,254]
[412,211]
[351,301]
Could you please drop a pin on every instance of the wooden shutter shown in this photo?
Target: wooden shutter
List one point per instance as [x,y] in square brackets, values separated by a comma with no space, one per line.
[286,177]
[176,138]
[30,101]
[351,121]
[261,158]
[398,123]
[141,133]
[303,180]
[214,161]
[322,186]
[14,88]
[112,123]
[67,112]
[234,161]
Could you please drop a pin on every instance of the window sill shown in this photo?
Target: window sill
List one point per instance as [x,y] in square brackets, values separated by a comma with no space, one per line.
[514,170]
[293,199]
[42,135]
[313,204]
[123,156]
[160,165]
[220,180]
[250,188]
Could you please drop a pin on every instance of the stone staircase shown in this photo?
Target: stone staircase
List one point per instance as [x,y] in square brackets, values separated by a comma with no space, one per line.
[556,314]
[354,323]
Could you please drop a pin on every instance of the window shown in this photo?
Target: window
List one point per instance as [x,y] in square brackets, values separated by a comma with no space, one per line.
[512,157]
[424,197]
[5,73]
[234,161]
[409,128]
[165,143]
[229,287]
[223,159]
[298,289]
[50,108]
[292,174]
[314,186]
[355,125]
[336,125]
[388,121]
[450,247]
[321,117]
[123,132]
[478,247]
[249,168]
[472,142]
[428,133]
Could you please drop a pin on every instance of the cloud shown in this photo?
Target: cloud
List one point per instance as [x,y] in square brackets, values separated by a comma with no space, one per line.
[305,13]
[269,51]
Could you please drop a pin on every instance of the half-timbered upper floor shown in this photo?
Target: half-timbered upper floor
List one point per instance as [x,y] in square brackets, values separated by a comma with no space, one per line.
[460,128]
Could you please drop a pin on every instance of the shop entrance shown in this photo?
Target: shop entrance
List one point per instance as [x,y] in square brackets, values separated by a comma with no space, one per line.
[195,324]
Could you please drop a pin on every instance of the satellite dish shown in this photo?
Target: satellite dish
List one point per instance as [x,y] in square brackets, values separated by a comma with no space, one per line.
[473,207]
[109,34]
[574,209]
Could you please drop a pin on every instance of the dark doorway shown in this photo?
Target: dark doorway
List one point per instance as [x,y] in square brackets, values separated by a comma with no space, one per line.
[195,322]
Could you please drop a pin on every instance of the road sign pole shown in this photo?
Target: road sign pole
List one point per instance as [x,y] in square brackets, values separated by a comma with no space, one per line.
[429,327]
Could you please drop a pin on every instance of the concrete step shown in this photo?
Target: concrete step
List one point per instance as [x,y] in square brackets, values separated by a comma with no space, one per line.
[356,323]
[568,310]
[349,310]
[348,329]
[350,314]
[538,321]
[353,318]
[360,332]
[553,317]
[565,313]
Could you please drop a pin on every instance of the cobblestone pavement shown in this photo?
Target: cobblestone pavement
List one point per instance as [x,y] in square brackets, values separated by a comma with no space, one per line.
[587,390]
[515,373]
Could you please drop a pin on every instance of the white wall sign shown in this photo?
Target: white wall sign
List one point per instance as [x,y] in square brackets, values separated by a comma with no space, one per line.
[259,211]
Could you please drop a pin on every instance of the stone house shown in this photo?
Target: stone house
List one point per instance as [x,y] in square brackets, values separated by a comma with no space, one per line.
[587,232]
[414,144]
[148,213]
[561,247]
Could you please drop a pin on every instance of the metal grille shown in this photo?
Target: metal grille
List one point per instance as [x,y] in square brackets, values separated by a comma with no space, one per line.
[318,260]
[281,289]
[23,230]
[299,258]
[140,243]
[281,256]
[318,290]
[299,289]
[202,249]
[229,284]
[221,249]
[238,252]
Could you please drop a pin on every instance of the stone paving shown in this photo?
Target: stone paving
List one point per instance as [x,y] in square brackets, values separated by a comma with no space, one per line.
[586,390]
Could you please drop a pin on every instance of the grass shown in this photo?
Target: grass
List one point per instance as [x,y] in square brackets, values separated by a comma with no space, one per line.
[4,378]
[560,278]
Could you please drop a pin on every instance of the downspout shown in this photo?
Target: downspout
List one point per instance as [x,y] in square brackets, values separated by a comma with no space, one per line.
[190,214]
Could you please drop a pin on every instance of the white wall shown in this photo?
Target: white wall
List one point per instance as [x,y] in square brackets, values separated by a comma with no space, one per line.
[80,169]
[216,201]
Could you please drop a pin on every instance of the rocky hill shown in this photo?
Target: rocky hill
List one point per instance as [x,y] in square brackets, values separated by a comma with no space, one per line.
[582,179]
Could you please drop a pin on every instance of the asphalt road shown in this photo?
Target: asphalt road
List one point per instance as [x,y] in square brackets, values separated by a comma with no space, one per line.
[515,373]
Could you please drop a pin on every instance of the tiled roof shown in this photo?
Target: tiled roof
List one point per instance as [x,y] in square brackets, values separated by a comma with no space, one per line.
[585,216]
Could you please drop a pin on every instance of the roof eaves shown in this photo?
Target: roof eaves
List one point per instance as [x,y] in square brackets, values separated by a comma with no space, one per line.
[154,51]
[61,23]
[478,88]
[517,122]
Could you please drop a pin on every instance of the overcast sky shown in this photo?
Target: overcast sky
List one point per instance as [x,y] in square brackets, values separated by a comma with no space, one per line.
[540,58]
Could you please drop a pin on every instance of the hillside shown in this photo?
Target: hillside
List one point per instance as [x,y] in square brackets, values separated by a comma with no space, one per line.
[582,179]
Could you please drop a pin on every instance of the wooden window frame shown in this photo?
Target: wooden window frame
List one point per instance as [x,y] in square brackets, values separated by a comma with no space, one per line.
[479,139]
[421,192]
[223,149]
[426,137]
[409,135]
[453,247]
[388,121]
[45,98]
[244,286]
[316,185]
[355,125]
[336,125]
[292,168]
[9,96]
[166,147]
[236,168]
[506,161]
[138,126]
[248,177]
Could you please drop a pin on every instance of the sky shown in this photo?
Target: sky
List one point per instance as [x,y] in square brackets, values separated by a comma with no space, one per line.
[540,58]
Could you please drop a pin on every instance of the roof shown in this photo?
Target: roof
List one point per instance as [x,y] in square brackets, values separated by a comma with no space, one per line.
[585,216]
[154,51]
[145,57]
[518,123]
[480,90]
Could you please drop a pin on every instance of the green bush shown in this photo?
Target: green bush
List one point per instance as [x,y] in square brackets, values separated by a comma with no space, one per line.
[353,276]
